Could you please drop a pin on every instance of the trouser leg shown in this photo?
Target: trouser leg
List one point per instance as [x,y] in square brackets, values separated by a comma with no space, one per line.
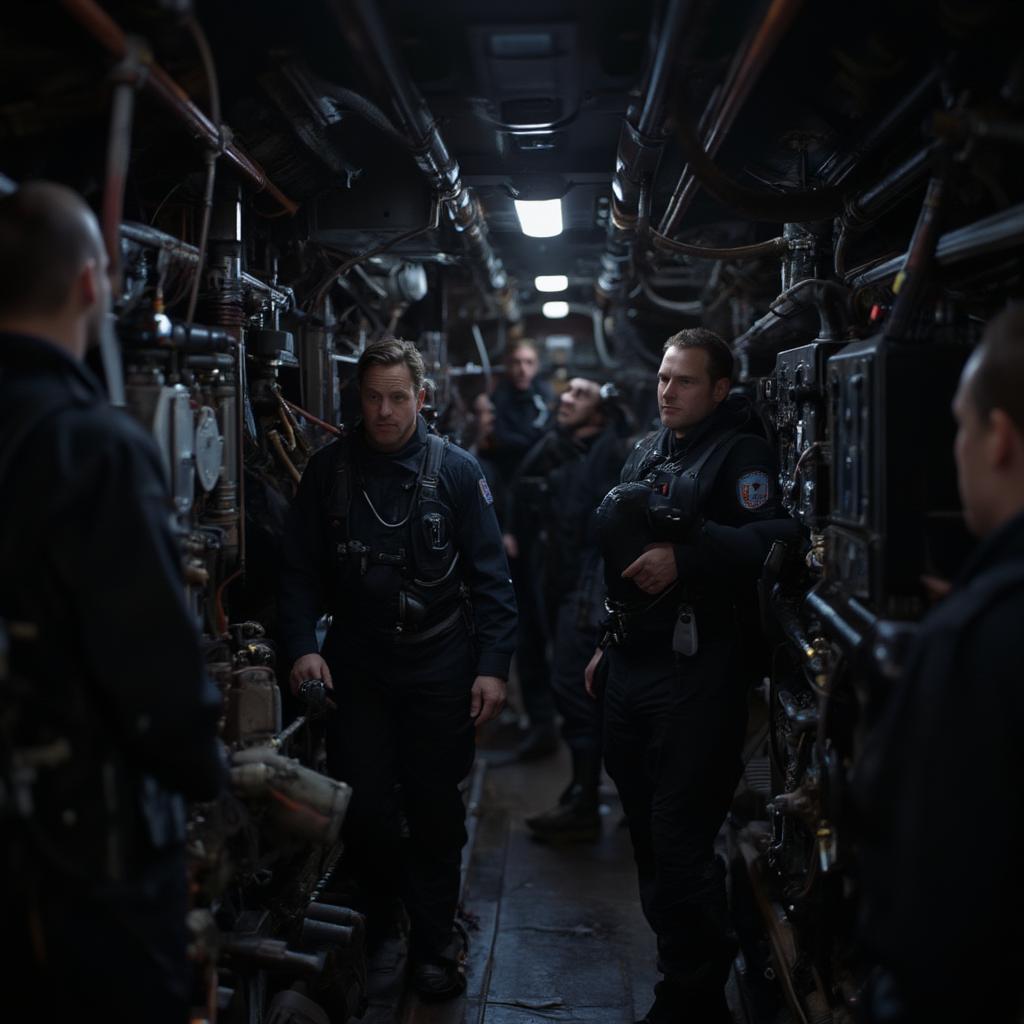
[627,736]
[531,648]
[573,648]
[361,750]
[676,760]
[435,753]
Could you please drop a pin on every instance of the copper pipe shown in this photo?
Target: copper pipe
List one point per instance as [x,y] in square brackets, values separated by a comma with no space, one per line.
[109,34]
[772,247]
[739,83]
[127,77]
[312,419]
[278,445]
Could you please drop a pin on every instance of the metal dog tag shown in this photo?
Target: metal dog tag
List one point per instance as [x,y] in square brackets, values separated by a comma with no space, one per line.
[684,637]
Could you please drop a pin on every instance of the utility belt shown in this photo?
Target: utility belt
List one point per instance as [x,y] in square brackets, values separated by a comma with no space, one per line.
[416,622]
[631,623]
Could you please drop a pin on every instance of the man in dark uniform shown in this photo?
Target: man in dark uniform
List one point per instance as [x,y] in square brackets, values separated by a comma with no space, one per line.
[522,403]
[940,782]
[107,687]
[576,464]
[676,692]
[393,532]
[482,447]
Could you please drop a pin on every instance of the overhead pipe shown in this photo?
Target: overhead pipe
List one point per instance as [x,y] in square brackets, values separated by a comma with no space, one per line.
[997,233]
[640,143]
[109,34]
[727,103]
[839,167]
[368,36]
[829,300]
[909,284]
[127,76]
[868,205]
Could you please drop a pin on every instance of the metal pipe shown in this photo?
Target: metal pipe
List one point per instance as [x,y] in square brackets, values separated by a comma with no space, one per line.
[875,200]
[692,308]
[771,247]
[1001,231]
[601,340]
[827,297]
[126,75]
[485,359]
[740,81]
[838,167]
[911,278]
[368,35]
[205,54]
[109,34]
[639,151]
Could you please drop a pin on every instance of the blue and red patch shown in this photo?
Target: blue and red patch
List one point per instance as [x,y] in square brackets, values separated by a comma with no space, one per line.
[752,489]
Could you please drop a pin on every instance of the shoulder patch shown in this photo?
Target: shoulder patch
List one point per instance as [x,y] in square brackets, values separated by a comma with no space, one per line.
[752,489]
[486,491]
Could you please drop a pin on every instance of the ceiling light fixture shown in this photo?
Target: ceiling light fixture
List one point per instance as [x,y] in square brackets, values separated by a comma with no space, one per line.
[540,218]
[555,310]
[551,283]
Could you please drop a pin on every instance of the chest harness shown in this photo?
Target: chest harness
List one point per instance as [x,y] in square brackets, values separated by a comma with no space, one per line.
[661,503]
[425,594]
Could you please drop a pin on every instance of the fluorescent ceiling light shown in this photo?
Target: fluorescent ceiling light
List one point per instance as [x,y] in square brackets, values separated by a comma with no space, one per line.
[540,218]
[551,283]
[555,310]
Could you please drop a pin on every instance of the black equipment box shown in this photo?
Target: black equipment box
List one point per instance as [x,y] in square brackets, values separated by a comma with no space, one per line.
[895,512]
[800,391]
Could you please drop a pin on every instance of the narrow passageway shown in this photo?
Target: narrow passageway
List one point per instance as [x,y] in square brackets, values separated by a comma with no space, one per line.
[561,935]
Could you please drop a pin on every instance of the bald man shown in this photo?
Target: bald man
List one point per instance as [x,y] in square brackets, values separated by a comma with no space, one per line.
[941,781]
[106,671]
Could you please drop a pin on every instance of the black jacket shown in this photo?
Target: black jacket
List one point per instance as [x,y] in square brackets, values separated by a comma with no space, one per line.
[941,792]
[520,418]
[87,556]
[725,548]
[559,484]
[310,573]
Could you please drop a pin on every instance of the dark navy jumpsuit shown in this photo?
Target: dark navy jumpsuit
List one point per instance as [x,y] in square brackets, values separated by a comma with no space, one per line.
[402,736]
[674,724]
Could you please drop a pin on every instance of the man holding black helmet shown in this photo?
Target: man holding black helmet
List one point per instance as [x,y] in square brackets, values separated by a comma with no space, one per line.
[684,537]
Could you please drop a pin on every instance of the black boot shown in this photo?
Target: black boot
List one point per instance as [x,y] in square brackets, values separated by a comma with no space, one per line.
[676,1005]
[440,976]
[576,818]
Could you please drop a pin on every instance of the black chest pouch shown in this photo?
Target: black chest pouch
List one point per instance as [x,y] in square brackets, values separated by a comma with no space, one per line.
[432,535]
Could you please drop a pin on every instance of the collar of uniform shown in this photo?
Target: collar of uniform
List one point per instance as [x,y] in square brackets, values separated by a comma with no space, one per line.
[1005,544]
[733,412]
[408,456]
[28,353]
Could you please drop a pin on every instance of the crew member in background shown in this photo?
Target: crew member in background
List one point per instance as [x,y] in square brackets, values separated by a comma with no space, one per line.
[940,784]
[578,463]
[107,688]
[680,563]
[481,447]
[393,532]
[522,403]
